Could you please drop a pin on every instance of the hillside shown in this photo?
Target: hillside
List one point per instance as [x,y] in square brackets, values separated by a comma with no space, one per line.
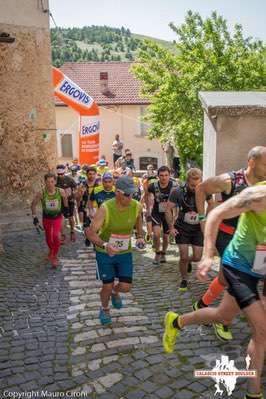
[97,43]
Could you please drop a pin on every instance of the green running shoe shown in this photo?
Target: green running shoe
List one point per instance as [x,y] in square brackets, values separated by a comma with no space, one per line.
[183,286]
[222,332]
[170,332]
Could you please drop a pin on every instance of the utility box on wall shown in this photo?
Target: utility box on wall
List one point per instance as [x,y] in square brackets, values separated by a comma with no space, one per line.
[234,122]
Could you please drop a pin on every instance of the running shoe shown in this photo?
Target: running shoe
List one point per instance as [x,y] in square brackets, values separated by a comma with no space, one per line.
[163,258]
[116,301]
[105,317]
[189,268]
[254,396]
[170,332]
[157,258]
[196,306]
[183,286]
[222,332]
[63,239]
[54,262]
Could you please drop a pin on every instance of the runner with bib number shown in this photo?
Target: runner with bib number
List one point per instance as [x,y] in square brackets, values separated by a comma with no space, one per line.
[115,221]
[186,229]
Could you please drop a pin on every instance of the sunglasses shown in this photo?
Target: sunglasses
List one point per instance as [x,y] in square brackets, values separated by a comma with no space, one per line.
[125,194]
[128,154]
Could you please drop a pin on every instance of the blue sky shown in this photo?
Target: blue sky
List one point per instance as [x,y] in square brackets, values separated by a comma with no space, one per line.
[151,17]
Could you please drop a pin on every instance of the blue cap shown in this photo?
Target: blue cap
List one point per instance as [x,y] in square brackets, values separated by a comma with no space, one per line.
[107,176]
[102,162]
[126,185]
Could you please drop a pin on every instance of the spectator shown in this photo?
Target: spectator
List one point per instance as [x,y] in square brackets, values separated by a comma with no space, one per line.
[125,161]
[117,147]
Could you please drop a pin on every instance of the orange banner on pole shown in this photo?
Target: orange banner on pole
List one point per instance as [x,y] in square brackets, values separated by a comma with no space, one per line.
[89,135]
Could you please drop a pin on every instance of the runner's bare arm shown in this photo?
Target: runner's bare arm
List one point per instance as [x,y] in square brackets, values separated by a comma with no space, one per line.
[169,214]
[63,195]
[35,202]
[148,198]
[91,232]
[213,185]
[250,199]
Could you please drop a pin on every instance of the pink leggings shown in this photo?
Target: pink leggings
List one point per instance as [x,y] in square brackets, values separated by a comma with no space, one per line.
[52,229]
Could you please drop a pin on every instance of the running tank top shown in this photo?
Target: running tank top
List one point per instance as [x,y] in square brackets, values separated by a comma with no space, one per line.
[119,224]
[238,183]
[247,249]
[51,204]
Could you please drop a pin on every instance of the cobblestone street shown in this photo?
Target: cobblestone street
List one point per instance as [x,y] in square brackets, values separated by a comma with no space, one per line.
[51,338]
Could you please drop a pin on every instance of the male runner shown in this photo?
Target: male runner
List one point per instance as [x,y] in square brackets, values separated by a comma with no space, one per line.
[227,185]
[111,232]
[69,186]
[158,193]
[186,228]
[104,192]
[243,265]
[51,199]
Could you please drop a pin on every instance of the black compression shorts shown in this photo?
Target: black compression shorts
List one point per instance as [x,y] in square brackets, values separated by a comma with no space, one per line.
[242,286]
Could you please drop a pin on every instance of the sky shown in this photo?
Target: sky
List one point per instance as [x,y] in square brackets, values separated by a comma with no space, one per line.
[152,17]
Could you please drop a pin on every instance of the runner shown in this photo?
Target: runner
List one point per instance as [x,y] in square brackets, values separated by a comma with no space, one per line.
[102,193]
[243,265]
[149,177]
[158,193]
[227,185]
[186,228]
[115,221]
[51,199]
[102,167]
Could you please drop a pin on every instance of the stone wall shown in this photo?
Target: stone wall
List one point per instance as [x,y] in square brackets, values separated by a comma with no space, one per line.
[27,117]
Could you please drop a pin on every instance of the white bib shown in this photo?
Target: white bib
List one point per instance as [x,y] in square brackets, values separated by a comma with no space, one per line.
[120,241]
[162,206]
[52,204]
[259,265]
[191,218]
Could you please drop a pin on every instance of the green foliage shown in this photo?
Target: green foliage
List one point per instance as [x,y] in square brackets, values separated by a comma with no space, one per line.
[206,57]
[93,43]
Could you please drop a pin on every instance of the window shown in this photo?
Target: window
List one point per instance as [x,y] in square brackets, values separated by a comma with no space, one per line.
[144,126]
[66,145]
[145,161]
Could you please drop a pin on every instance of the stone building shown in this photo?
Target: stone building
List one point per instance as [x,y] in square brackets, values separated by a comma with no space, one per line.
[27,117]
[234,122]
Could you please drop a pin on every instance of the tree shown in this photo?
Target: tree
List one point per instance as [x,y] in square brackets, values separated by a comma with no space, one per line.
[206,57]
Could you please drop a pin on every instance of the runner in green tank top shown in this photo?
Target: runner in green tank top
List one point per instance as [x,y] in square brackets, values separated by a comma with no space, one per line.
[244,264]
[111,232]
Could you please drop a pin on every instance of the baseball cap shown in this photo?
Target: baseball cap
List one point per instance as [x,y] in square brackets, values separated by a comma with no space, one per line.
[126,185]
[107,176]
[102,162]
[60,169]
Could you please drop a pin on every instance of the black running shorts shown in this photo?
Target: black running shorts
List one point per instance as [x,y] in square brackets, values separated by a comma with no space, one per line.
[188,235]
[242,286]
[158,219]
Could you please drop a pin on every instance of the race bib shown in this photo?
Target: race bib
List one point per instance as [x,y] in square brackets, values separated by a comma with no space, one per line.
[52,205]
[120,241]
[259,265]
[162,207]
[191,218]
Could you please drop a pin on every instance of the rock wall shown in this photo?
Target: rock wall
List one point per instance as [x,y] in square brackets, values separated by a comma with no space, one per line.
[27,116]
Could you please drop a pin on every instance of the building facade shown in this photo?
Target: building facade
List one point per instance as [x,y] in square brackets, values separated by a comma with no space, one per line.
[27,115]
[234,122]
[116,92]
